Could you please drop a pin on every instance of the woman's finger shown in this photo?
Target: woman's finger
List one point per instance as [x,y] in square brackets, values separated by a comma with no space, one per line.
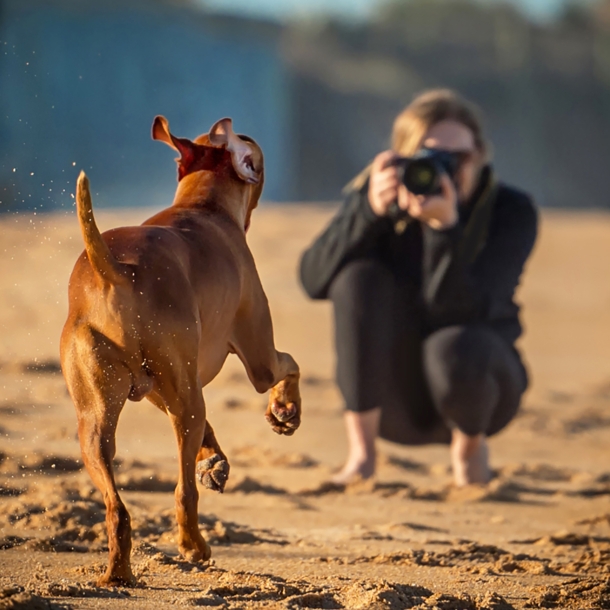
[386,181]
[383,160]
[413,205]
[382,174]
[388,195]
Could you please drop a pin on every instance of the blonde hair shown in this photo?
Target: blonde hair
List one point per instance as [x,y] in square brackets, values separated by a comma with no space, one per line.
[428,109]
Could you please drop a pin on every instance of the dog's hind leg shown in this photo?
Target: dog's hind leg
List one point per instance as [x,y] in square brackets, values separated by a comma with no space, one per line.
[180,391]
[212,463]
[99,391]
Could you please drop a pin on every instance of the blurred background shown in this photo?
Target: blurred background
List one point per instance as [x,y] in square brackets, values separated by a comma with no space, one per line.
[316,83]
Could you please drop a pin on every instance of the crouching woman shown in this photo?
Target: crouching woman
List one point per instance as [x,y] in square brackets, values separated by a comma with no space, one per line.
[423,287]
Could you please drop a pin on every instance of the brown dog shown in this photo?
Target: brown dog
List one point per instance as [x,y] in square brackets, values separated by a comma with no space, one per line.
[154,311]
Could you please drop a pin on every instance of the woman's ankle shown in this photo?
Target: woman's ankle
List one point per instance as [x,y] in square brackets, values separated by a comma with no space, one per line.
[469,459]
[356,469]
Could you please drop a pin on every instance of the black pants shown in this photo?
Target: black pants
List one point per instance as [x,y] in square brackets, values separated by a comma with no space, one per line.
[425,383]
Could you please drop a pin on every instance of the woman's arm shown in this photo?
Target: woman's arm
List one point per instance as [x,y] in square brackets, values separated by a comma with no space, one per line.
[456,292]
[353,233]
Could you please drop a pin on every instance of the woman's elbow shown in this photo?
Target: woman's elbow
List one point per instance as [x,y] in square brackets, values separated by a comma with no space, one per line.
[309,277]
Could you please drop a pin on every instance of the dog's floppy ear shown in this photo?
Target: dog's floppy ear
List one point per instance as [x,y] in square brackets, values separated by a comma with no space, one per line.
[222,136]
[186,148]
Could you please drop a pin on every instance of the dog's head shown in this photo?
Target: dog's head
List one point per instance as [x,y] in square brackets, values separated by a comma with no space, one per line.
[228,155]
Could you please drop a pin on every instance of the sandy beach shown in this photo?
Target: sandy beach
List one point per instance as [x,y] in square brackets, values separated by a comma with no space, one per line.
[538,536]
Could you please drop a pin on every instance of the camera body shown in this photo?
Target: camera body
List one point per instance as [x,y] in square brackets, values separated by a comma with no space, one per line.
[421,173]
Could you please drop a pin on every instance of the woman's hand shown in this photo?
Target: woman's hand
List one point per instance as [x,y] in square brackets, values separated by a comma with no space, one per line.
[437,211]
[383,182]
[385,187]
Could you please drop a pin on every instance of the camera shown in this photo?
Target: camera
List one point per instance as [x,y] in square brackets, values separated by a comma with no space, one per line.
[422,172]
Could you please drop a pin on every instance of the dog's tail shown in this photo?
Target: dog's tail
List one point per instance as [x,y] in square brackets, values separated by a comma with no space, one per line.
[98,252]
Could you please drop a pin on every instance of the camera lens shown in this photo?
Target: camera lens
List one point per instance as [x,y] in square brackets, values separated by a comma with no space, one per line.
[421,177]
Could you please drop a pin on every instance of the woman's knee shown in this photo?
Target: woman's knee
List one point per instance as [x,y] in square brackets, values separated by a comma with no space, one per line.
[460,354]
[459,363]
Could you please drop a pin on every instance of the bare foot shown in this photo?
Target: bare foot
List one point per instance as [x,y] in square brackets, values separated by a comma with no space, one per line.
[362,429]
[469,459]
[354,471]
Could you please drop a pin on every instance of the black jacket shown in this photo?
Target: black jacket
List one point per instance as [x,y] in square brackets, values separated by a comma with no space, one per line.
[452,289]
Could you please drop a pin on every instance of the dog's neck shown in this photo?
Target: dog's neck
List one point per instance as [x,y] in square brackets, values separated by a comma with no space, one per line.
[202,189]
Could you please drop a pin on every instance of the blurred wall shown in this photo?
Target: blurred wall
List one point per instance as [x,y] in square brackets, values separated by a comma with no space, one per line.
[81,82]
[544,92]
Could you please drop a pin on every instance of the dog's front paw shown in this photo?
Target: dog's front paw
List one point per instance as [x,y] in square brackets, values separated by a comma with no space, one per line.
[213,472]
[284,418]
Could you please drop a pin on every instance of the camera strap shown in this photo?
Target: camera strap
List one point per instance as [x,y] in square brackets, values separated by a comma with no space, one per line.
[476,231]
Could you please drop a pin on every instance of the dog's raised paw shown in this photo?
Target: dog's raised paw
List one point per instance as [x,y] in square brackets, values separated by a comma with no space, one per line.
[213,472]
[284,418]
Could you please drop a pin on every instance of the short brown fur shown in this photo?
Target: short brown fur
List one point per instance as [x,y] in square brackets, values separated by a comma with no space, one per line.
[154,311]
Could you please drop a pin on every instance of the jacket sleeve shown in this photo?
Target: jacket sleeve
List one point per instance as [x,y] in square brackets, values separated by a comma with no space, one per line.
[354,232]
[456,292]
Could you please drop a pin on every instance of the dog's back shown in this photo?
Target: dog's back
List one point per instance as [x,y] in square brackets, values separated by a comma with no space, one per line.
[179,276]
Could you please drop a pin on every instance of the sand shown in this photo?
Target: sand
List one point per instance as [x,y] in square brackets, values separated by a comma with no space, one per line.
[537,537]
